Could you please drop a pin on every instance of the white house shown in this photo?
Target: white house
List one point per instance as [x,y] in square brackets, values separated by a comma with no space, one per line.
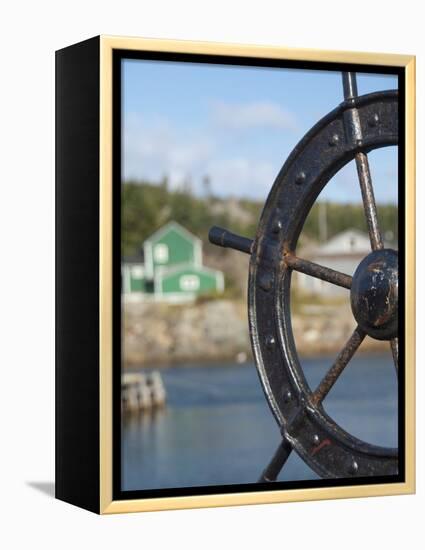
[343,252]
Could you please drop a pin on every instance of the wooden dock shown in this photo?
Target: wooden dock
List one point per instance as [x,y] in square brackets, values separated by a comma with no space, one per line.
[142,392]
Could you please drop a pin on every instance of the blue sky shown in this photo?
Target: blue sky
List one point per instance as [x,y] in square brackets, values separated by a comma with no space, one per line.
[235,124]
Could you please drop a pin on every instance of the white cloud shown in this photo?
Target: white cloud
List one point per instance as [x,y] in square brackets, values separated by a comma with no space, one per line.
[154,149]
[257,114]
[241,176]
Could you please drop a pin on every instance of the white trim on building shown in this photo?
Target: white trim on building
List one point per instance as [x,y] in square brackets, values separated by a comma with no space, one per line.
[147,248]
[186,266]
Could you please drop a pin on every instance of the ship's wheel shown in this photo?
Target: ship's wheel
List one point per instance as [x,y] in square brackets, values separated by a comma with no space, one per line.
[357,126]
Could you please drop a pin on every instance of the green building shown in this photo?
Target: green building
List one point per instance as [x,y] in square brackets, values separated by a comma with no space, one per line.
[170,269]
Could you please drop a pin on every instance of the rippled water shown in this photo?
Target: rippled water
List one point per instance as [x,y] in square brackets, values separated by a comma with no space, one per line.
[217,428]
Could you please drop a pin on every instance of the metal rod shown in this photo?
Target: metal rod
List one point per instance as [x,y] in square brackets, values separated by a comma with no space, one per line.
[226,239]
[349,83]
[339,365]
[277,462]
[353,126]
[394,349]
[369,203]
[318,271]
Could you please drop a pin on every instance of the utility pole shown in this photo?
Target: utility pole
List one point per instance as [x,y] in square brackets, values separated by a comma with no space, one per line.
[206,184]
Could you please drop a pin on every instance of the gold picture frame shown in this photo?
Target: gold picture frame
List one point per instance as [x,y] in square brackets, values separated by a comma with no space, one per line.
[102,500]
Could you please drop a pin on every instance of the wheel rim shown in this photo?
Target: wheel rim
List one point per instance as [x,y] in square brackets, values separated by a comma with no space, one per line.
[326,148]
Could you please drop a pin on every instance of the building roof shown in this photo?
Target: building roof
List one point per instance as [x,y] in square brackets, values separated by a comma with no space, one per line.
[169,226]
[351,241]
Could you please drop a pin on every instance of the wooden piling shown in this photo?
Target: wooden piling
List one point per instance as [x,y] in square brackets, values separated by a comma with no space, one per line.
[142,392]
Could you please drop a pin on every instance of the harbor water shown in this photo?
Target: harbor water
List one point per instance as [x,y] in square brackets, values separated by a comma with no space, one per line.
[217,428]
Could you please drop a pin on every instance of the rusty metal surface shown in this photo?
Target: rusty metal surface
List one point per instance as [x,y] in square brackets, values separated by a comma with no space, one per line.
[318,271]
[374,294]
[335,371]
[369,204]
[358,125]
[353,128]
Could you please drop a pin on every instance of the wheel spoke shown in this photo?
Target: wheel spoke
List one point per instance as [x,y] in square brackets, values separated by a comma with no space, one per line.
[349,83]
[352,122]
[394,349]
[226,239]
[277,462]
[341,362]
[369,203]
[318,271]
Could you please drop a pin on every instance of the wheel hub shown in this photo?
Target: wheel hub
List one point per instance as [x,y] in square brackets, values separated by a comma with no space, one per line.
[374,294]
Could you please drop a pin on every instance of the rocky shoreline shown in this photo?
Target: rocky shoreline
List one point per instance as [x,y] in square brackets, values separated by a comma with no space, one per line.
[161,333]
[217,330]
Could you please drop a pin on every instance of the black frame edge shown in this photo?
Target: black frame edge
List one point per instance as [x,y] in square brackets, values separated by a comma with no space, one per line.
[118,56]
[77,465]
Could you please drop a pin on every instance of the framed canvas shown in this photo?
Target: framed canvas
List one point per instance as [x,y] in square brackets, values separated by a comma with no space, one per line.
[235,274]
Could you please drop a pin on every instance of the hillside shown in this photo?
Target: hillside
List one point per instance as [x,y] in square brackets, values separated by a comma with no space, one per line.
[147,206]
